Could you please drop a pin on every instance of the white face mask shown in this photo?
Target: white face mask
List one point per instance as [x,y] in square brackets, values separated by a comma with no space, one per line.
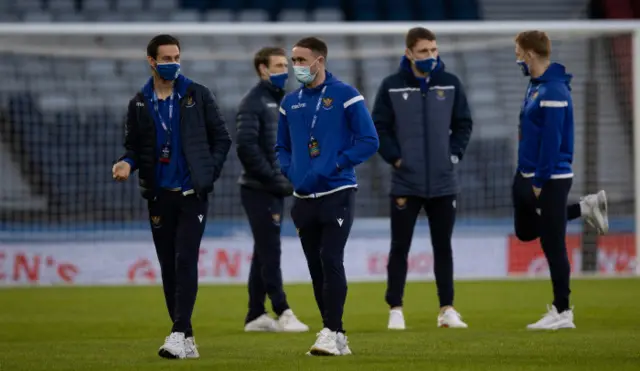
[303,73]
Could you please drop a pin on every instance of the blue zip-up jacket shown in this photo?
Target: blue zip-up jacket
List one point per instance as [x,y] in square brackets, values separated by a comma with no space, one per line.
[546,127]
[175,174]
[344,130]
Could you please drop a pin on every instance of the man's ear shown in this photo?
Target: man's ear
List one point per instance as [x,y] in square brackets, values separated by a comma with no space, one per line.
[264,71]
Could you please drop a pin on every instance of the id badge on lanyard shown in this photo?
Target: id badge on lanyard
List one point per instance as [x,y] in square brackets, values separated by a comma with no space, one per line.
[313,145]
[165,150]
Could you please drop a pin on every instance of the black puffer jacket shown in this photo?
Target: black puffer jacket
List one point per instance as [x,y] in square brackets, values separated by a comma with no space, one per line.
[257,121]
[203,132]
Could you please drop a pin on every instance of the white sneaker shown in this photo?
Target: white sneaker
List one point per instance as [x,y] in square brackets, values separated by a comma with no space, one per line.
[325,345]
[396,320]
[191,349]
[288,322]
[343,344]
[553,320]
[594,210]
[451,319]
[264,323]
[173,346]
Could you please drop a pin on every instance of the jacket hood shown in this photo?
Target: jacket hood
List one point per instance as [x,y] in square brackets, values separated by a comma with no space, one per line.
[181,84]
[555,73]
[328,80]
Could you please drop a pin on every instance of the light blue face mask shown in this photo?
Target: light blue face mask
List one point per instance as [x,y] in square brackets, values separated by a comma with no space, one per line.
[303,73]
[523,67]
[279,79]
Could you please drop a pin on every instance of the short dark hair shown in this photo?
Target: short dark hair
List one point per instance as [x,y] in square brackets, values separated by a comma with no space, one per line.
[418,33]
[263,56]
[314,44]
[158,41]
[535,41]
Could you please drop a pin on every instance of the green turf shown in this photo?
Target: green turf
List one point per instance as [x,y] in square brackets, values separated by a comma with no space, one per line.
[121,329]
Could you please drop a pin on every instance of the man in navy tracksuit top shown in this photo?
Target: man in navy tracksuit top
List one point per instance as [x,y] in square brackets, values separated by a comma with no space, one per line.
[178,141]
[424,123]
[544,176]
[325,130]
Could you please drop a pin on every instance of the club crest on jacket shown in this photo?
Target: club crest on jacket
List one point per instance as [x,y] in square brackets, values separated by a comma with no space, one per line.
[327,103]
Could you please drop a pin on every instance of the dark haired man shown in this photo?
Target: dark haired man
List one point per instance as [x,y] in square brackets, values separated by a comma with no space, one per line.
[263,189]
[424,124]
[324,131]
[178,141]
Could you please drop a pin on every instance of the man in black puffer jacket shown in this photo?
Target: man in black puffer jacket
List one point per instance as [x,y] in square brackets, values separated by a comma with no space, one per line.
[263,189]
[177,139]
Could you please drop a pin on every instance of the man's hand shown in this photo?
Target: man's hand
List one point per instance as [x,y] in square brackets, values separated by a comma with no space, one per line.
[398,163]
[121,171]
[536,191]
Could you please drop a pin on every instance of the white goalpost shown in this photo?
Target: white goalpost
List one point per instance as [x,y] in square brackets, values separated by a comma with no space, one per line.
[66,86]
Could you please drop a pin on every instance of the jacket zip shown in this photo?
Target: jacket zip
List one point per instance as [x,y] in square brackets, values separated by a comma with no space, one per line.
[191,173]
[426,139]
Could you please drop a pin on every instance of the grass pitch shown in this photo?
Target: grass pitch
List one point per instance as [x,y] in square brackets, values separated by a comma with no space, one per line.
[121,328]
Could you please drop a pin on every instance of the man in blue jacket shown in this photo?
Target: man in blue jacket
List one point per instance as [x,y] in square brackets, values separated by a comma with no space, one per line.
[324,131]
[544,176]
[178,140]
[424,124]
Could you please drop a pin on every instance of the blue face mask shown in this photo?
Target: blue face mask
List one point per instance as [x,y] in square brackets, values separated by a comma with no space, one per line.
[168,71]
[426,65]
[279,79]
[523,67]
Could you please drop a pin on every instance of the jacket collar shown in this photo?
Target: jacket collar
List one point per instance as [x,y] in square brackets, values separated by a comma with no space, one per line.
[180,87]
[275,91]
[410,77]
[328,80]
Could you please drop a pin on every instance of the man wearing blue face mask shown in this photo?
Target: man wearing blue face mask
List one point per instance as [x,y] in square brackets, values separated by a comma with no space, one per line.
[324,132]
[544,176]
[263,189]
[424,124]
[178,141]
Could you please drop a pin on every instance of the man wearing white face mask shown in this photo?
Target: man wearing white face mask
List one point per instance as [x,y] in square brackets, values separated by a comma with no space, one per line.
[544,176]
[424,124]
[324,131]
[178,141]
[263,189]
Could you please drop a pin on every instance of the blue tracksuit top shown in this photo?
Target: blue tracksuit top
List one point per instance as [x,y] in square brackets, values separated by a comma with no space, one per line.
[545,148]
[344,130]
[175,174]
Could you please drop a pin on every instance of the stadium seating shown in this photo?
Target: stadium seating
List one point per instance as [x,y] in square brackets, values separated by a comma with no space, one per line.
[71,138]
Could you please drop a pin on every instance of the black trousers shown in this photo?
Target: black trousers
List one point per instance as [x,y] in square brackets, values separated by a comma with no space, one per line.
[441,214]
[546,217]
[264,211]
[177,225]
[323,226]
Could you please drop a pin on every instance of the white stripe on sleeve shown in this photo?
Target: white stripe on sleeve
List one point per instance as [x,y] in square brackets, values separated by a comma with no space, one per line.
[554,103]
[283,111]
[353,100]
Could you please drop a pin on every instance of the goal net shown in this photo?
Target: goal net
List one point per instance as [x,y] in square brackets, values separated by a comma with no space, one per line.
[65,92]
